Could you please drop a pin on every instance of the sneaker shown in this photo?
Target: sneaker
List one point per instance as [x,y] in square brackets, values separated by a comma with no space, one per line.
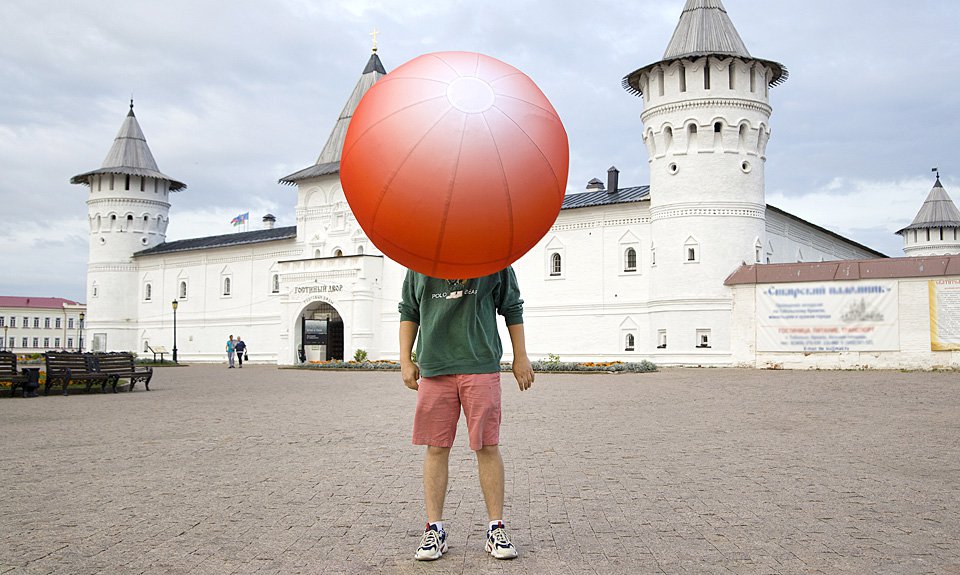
[433,544]
[498,544]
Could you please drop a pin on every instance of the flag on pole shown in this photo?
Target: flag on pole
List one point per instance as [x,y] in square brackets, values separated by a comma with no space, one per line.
[241,219]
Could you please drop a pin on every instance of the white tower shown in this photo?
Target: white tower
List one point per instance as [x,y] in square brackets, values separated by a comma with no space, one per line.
[706,125]
[128,211]
[936,229]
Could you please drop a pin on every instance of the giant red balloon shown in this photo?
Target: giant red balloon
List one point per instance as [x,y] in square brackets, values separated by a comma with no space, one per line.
[455,164]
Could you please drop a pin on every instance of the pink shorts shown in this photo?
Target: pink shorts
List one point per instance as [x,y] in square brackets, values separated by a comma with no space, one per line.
[438,409]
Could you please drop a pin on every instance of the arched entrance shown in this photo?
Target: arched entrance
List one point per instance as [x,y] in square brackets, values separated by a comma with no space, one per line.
[319,332]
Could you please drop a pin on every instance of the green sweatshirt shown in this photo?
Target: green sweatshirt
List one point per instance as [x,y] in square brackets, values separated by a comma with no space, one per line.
[458,321]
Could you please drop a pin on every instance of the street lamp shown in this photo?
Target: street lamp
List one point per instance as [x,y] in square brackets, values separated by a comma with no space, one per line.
[174,303]
[80,338]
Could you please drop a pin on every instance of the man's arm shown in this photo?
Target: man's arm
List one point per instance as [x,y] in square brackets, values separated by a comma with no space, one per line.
[409,370]
[522,370]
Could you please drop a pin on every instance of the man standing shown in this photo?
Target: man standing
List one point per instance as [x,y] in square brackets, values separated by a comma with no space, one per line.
[231,350]
[458,366]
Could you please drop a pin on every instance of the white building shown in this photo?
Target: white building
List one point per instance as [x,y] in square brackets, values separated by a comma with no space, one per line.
[36,324]
[626,273]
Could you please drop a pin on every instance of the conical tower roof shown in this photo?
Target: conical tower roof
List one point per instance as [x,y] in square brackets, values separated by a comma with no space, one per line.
[937,211]
[329,160]
[704,29]
[129,155]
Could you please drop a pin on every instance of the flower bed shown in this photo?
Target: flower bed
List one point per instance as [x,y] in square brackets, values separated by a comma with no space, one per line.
[538,366]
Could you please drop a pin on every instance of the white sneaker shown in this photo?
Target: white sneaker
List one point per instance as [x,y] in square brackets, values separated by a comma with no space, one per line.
[433,544]
[498,544]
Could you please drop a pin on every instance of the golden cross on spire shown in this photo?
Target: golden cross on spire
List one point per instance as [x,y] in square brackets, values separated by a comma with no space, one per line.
[374,34]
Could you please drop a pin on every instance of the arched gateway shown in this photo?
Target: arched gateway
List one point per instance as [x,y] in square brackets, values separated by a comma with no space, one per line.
[319,333]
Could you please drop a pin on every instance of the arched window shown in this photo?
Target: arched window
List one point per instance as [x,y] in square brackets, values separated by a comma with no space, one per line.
[359,250]
[556,264]
[630,260]
[183,290]
[147,292]
[338,253]
[667,138]
[226,286]
[629,343]
[275,285]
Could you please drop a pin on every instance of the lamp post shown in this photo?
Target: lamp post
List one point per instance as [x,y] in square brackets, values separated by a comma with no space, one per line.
[174,304]
[80,338]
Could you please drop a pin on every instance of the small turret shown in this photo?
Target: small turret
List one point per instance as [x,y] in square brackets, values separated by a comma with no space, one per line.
[935,231]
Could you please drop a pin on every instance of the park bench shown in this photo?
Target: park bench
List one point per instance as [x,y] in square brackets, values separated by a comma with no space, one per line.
[8,371]
[67,366]
[121,365]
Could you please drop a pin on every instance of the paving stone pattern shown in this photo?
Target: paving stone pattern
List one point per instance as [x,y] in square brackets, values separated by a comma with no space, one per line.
[269,471]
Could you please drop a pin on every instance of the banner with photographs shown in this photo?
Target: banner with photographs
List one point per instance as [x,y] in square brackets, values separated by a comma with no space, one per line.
[828,316]
[944,315]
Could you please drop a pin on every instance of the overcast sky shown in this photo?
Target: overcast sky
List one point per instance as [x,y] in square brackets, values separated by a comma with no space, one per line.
[233,95]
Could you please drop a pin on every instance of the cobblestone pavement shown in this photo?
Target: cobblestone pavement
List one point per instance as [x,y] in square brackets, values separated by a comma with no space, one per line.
[271,471]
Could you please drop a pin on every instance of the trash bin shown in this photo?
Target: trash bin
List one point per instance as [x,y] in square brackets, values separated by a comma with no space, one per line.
[33,381]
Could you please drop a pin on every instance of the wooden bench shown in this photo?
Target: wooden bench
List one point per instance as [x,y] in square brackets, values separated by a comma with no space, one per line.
[66,366]
[121,366]
[8,371]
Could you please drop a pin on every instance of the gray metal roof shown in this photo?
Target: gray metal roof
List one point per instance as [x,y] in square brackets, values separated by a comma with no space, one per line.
[937,211]
[604,198]
[129,155]
[704,29]
[222,241]
[329,160]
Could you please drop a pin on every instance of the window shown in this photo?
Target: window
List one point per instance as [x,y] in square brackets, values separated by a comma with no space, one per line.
[706,75]
[556,264]
[146,346]
[275,284]
[183,290]
[126,184]
[36,323]
[56,342]
[338,253]
[36,342]
[69,343]
[59,323]
[46,323]
[359,250]
[661,339]
[629,344]
[23,342]
[630,260]
[46,342]
[111,186]
[653,256]
[226,286]
[147,292]
[691,250]
[13,321]
[13,342]
[26,321]
[1,321]
[69,323]
[703,338]
[757,251]
[95,289]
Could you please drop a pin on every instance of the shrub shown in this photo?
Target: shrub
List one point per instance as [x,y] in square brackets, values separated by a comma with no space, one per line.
[360,356]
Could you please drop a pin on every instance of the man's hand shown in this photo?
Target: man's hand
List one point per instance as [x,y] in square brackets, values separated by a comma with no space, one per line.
[523,371]
[411,374]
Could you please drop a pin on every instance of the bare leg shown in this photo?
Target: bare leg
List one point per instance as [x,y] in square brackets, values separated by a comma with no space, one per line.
[435,474]
[490,466]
